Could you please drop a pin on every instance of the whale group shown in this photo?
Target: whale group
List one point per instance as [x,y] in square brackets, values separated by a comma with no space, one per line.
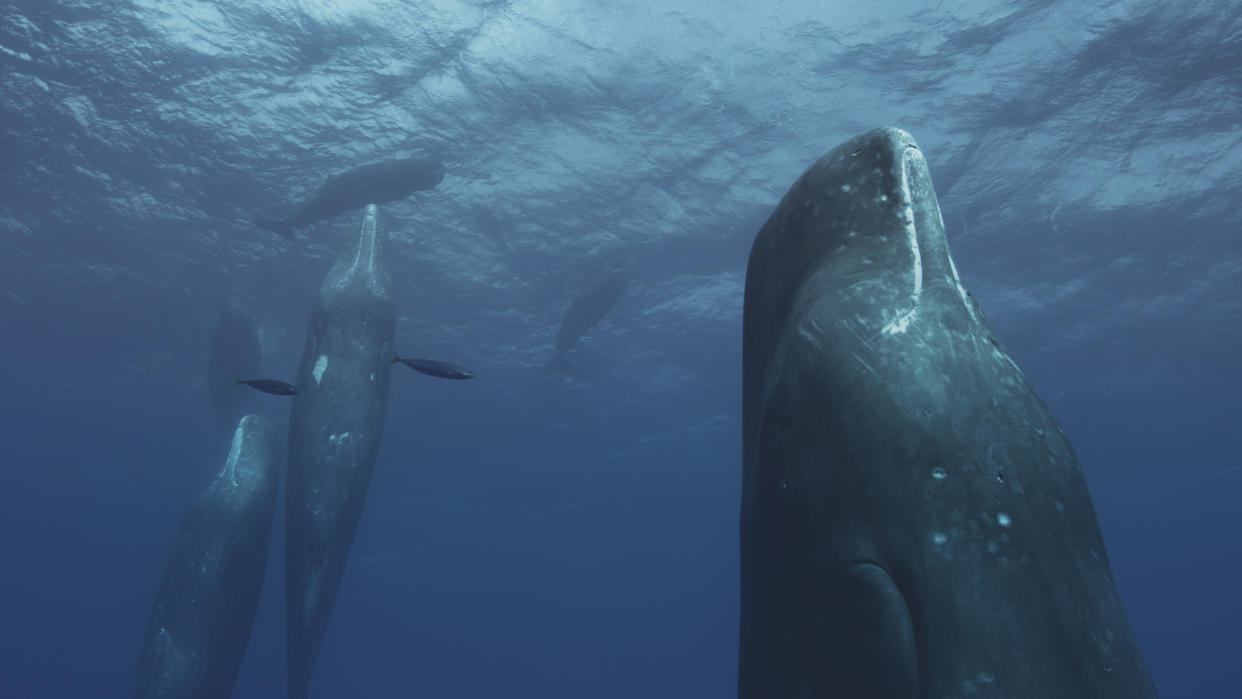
[200,622]
[914,522]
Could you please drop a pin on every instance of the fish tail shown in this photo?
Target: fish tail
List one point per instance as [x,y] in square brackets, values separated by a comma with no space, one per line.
[237,381]
[282,228]
[395,358]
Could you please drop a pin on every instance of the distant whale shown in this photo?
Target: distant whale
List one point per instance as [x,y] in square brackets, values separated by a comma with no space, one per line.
[203,612]
[234,350]
[335,425]
[588,309]
[376,183]
[914,521]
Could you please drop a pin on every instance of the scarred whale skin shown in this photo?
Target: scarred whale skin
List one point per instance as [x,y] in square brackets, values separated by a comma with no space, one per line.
[374,183]
[335,426]
[200,623]
[915,524]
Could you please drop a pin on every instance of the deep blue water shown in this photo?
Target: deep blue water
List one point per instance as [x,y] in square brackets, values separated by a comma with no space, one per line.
[538,536]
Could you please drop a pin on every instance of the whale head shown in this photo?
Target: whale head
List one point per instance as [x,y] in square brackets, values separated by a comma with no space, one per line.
[421,173]
[860,234]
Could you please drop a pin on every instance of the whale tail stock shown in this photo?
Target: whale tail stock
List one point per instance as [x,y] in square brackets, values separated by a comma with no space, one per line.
[559,364]
[282,228]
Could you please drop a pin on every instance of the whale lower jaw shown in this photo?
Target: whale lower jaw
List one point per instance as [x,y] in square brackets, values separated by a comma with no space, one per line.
[361,269]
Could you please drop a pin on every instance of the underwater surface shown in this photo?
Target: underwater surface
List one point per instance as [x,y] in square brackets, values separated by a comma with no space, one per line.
[575,534]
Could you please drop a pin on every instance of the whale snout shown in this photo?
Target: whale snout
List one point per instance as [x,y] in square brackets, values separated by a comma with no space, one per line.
[436,173]
[426,174]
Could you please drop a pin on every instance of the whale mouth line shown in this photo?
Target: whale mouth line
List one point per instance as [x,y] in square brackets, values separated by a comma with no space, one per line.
[903,320]
[235,449]
[953,281]
[367,249]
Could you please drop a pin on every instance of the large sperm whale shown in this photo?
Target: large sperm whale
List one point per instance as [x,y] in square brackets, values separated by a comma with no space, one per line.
[203,612]
[335,425]
[915,523]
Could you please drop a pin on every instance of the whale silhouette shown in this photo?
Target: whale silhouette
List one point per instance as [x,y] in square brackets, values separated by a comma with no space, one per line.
[376,183]
[588,309]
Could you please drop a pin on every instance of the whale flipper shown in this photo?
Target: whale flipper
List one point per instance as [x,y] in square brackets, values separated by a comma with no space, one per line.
[203,612]
[914,521]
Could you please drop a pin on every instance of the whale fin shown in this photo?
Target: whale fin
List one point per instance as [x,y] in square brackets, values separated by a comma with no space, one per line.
[282,228]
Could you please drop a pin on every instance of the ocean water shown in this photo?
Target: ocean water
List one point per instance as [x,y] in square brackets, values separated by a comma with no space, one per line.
[575,536]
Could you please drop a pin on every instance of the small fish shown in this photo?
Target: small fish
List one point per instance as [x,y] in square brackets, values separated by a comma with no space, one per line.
[272,386]
[434,367]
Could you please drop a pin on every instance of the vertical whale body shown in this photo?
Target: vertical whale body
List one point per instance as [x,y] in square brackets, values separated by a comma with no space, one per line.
[335,426]
[914,521]
[205,607]
[584,313]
